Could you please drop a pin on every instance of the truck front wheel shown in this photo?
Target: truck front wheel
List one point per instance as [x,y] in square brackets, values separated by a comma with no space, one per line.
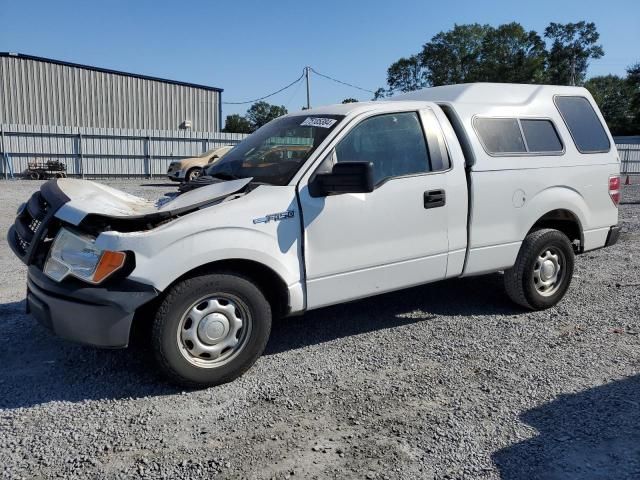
[210,329]
[543,270]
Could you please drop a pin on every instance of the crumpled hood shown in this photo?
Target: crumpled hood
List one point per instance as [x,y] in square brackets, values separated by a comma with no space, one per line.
[87,198]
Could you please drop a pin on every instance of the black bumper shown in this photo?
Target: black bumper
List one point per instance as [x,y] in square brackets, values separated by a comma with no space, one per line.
[99,316]
[612,236]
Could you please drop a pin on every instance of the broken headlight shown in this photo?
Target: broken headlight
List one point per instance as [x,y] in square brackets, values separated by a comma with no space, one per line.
[76,255]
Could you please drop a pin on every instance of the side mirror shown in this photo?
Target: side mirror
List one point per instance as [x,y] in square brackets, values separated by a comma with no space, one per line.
[345,177]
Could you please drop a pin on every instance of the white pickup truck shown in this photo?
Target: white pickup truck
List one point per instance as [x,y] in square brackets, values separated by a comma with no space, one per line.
[445,182]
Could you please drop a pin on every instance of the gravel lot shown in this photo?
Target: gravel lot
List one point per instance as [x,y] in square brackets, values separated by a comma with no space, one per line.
[448,380]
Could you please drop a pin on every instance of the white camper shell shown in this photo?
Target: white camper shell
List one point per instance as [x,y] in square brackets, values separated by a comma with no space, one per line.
[326,206]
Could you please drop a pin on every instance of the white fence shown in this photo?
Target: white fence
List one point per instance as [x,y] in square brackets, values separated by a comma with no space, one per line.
[109,152]
[629,158]
[103,152]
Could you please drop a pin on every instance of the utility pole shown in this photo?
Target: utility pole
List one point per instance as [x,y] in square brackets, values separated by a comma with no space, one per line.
[306,72]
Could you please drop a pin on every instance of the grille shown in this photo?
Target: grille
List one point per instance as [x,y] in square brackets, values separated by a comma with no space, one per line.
[31,234]
[30,227]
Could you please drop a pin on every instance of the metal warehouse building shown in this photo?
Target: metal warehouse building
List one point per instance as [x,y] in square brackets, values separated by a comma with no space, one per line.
[41,91]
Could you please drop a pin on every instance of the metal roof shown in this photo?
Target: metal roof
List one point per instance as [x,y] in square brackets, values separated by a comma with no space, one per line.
[107,70]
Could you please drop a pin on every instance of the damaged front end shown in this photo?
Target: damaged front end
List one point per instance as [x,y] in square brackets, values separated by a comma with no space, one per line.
[93,208]
[76,287]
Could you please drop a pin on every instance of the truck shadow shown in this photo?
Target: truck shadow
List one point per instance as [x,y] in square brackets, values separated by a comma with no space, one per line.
[36,367]
[483,295]
[594,434]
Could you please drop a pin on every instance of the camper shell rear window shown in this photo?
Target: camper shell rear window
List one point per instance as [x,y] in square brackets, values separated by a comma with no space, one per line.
[583,124]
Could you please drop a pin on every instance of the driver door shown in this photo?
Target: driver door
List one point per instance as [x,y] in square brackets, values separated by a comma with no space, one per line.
[363,244]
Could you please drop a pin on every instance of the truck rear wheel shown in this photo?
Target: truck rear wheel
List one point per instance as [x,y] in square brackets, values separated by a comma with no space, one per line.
[543,270]
[210,329]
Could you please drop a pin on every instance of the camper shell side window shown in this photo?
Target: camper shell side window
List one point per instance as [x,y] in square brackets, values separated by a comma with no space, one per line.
[511,136]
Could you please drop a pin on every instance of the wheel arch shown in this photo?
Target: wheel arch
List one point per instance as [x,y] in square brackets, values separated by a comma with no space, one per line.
[561,208]
[563,220]
[268,280]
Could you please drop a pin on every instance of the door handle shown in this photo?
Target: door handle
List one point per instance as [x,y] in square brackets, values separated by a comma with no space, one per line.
[434,198]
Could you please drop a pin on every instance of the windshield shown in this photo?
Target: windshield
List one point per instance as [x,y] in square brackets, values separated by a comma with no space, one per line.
[275,152]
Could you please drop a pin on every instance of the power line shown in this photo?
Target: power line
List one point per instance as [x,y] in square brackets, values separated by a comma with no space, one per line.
[267,96]
[304,72]
[340,81]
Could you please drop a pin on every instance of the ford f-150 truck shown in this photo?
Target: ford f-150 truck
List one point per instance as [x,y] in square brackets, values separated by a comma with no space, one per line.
[445,182]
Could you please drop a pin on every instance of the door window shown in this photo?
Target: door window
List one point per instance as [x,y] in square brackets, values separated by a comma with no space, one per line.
[394,143]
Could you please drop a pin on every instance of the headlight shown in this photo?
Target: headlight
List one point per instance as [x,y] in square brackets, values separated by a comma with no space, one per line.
[77,255]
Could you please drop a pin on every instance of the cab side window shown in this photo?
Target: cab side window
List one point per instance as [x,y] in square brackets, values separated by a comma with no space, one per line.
[394,143]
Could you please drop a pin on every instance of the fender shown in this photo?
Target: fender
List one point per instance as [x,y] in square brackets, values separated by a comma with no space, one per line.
[222,232]
[558,197]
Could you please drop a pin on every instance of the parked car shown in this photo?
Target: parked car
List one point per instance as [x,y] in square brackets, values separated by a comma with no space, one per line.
[191,168]
[446,182]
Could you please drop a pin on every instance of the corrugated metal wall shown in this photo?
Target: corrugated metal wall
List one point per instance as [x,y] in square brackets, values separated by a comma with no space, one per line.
[34,92]
[103,152]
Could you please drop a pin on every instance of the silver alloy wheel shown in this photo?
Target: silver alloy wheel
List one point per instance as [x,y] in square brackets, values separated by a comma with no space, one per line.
[548,271]
[194,174]
[214,330]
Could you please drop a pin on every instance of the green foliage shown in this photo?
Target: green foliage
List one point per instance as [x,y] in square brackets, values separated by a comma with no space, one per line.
[572,46]
[349,100]
[237,124]
[405,75]
[633,80]
[261,113]
[454,56]
[507,53]
[511,54]
[379,93]
[612,94]
[471,53]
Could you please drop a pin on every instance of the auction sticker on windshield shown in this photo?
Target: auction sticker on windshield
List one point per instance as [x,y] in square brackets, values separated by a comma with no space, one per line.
[318,122]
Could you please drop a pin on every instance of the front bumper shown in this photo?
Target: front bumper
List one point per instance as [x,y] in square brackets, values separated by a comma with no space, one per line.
[612,236]
[176,175]
[99,316]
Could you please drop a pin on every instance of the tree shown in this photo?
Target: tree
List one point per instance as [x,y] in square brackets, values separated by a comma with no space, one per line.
[262,113]
[406,75]
[379,93]
[573,45]
[471,53]
[237,124]
[633,80]
[349,100]
[510,54]
[454,56]
[612,94]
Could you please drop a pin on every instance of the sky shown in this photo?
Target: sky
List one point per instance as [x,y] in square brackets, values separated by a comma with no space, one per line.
[251,48]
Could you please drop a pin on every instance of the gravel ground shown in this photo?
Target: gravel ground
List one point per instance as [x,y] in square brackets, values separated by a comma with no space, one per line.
[448,380]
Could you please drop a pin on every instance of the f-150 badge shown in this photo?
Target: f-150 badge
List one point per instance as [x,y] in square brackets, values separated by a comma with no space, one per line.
[275,217]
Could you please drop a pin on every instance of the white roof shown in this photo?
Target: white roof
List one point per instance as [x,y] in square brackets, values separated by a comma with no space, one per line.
[471,97]
[494,94]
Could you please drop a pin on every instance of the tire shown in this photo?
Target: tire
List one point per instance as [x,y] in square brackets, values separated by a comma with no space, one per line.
[189,329]
[192,174]
[543,270]
[33,175]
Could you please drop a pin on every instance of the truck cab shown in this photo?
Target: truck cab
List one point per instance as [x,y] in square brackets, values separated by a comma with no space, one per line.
[367,198]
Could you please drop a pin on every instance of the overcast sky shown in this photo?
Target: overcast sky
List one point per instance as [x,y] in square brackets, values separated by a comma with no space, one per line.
[251,48]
